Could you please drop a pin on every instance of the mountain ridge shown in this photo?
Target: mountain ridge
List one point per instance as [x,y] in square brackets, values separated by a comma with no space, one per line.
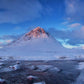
[37,32]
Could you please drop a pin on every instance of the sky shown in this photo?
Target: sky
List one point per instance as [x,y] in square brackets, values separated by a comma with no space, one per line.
[63,19]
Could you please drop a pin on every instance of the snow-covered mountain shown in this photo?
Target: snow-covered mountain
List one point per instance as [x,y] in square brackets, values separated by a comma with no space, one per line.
[36,44]
[33,34]
[36,39]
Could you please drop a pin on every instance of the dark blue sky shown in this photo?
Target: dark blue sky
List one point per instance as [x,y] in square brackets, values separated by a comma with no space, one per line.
[64,19]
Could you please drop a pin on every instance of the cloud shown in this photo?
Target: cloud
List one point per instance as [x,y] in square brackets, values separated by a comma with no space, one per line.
[74,25]
[65,23]
[59,34]
[17,28]
[74,37]
[1,42]
[82,47]
[8,41]
[15,11]
[79,33]
[75,9]
[6,37]
[70,6]
[5,42]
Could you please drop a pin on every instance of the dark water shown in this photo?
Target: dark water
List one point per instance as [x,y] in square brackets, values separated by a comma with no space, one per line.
[67,74]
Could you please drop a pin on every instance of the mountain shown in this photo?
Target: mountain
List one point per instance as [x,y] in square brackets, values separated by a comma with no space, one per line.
[36,45]
[38,38]
[36,33]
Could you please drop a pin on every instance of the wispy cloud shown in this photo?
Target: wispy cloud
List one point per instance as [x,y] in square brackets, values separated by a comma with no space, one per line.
[74,25]
[75,9]
[1,42]
[74,37]
[15,11]
[65,23]
[70,6]
[6,39]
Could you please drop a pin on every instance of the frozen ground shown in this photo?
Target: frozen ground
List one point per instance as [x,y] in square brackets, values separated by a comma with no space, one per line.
[47,72]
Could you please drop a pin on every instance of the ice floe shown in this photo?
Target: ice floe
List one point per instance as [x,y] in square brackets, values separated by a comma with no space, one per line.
[46,68]
[2,81]
[80,66]
[42,82]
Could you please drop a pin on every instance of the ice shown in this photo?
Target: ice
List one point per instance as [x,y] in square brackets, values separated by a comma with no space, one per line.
[1,63]
[80,66]
[40,82]
[32,67]
[31,76]
[11,68]
[80,79]
[55,69]
[44,68]
[2,80]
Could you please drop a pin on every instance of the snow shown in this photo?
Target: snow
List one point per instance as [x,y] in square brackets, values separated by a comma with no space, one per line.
[2,80]
[15,67]
[40,82]
[31,76]
[1,63]
[80,66]
[55,69]
[80,79]
[35,77]
[11,68]
[37,49]
[32,67]
[47,67]
[41,48]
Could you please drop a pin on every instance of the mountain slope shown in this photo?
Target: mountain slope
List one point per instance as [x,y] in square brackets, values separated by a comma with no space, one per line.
[37,38]
[36,45]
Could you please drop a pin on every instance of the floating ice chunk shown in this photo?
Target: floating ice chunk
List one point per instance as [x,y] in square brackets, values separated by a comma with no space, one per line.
[1,63]
[32,67]
[43,67]
[11,68]
[40,82]
[80,66]
[0,66]
[16,66]
[2,81]
[47,67]
[55,69]
[34,77]
[6,69]
[31,79]
[80,79]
